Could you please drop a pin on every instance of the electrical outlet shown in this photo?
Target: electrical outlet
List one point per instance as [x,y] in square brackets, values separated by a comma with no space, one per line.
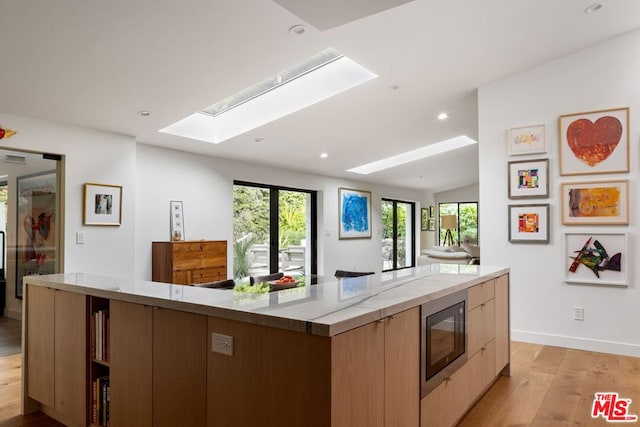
[578,313]
[222,344]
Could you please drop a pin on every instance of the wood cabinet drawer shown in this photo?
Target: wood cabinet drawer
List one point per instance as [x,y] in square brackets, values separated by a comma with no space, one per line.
[481,293]
[482,327]
[208,275]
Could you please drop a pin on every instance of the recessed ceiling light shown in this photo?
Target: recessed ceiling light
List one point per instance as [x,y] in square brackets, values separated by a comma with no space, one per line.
[324,155]
[443,116]
[410,156]
[297,30]
[594,7]
[144,113]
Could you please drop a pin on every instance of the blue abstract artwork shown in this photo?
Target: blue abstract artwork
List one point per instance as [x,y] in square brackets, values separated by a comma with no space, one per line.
[355,208]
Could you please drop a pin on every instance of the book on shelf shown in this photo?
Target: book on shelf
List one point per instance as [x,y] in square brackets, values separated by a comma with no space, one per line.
[99,335]
[100,403]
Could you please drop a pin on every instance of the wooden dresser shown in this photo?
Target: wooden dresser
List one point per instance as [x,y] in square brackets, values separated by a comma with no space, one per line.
[188,262]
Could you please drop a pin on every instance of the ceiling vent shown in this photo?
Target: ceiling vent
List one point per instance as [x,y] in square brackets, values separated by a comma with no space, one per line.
[13,158]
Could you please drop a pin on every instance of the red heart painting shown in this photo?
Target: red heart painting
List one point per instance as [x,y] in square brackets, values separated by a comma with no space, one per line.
[594,142]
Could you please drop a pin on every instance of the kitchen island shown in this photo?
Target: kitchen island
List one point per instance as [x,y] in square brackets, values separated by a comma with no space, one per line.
[338,353]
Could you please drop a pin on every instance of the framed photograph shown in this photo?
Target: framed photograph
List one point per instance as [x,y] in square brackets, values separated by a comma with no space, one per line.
[355,214]
[596,258]
[595,203]
[432,211]
[529,179]
[431,224]
[176,220]
[529,223]
[424,219]
[526,140]
[36,238]
[594,142]
[102,204]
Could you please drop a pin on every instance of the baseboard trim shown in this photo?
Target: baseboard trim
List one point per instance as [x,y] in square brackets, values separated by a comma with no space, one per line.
[601,346]
[13,314]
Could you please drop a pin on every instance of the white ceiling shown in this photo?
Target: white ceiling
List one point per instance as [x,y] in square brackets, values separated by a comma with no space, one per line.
[97,63]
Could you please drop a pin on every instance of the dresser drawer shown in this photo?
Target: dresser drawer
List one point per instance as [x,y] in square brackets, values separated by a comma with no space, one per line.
[197,255]
[480,294]
[205,275]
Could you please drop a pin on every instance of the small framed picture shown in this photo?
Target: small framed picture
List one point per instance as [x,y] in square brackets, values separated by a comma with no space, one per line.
[526,140]
[432,211]
[529,223]
[177,220]
[102,204]
[528,179]
[596,258]
[354,217]
[431,224]
[424,219]
[594,142]
[595,203]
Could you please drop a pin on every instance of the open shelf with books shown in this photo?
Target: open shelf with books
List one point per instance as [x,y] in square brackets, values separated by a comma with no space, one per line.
[99,355]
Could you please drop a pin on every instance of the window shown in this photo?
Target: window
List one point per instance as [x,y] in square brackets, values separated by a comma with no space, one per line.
[398,234]
[274,229]
[465,228]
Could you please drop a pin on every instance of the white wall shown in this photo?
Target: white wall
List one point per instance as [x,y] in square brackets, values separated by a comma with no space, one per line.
[205,186]
[90,156]
[601,77]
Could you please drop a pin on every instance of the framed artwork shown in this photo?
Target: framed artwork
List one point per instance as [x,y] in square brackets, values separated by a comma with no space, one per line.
[529,223]
[424,219]
[594,142]
[529,179]
[176,220]
[102,204]
[36,239]
[595,203]
[596,258]
[432,211]
[355,214]
[431,224]
[526,140]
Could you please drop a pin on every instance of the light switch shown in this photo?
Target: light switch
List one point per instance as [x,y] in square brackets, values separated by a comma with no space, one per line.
[80,237]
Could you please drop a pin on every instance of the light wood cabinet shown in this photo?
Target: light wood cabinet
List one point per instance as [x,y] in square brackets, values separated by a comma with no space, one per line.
[189,262]
[487,355]
[378,362]
[179,368]
[57,353]
[357,377]
[70,379]
[40,344]
[131,364]
[402,369]
[503,336]
[448,402]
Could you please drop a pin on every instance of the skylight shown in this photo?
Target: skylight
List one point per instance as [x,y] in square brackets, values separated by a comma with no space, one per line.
[313,80]
[410,156]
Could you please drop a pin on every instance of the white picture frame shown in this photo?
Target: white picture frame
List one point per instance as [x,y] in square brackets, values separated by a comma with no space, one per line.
[102,204]
[176,216]
[613,243]
[526,140]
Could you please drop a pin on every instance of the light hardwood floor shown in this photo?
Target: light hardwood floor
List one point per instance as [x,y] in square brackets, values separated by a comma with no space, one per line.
[548,387]
[553,386]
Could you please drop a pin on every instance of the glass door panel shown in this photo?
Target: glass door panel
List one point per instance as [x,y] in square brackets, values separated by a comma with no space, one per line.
[398,234]
[293,231]
[251,254]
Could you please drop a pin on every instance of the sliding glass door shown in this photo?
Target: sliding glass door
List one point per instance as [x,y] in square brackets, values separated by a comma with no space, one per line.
[398,234]
[274,230]
[463,228]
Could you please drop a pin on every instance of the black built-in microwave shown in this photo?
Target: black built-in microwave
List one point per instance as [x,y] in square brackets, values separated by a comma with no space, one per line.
[443,339]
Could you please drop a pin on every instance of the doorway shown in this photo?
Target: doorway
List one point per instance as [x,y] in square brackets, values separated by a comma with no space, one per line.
[30,200]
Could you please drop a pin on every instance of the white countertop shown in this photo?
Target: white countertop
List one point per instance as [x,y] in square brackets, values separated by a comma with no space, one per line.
[328,308]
